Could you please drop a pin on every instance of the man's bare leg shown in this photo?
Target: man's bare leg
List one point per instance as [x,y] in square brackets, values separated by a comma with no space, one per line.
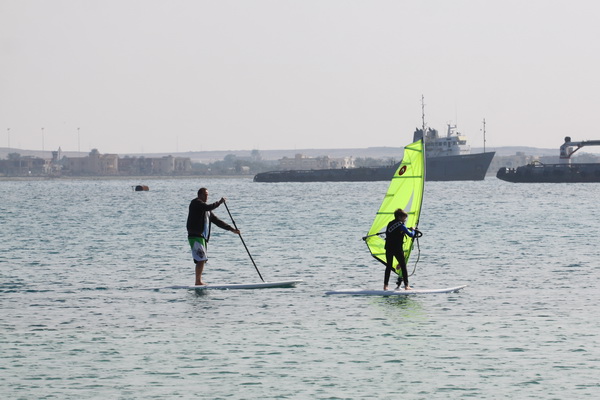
[199,269]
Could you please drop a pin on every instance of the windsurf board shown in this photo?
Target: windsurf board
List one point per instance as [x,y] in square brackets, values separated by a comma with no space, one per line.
[398,292]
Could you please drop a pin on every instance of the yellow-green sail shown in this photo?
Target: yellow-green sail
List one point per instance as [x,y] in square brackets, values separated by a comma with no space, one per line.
[405,192]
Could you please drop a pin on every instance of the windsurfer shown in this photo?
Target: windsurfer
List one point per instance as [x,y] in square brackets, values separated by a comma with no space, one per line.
[394,238]
[198,225]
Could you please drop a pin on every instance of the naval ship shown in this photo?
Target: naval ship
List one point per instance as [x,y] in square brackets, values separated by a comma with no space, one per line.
[448,158]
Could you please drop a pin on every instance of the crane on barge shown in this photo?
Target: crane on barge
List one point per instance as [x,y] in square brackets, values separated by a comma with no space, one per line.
[566,150]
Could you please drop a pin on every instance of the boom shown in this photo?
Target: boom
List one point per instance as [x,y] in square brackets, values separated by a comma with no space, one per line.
[566,150]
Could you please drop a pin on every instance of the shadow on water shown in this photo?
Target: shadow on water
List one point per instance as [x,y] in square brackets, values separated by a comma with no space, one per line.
[400,308]
[199,293]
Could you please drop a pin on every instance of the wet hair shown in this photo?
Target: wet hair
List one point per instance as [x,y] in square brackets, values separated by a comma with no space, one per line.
[201,190]
[399,213]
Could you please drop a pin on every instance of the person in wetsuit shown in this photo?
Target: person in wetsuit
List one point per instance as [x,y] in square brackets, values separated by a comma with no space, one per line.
[394,238]
[200,218]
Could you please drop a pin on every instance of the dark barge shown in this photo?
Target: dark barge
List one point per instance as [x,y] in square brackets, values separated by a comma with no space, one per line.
[565,172]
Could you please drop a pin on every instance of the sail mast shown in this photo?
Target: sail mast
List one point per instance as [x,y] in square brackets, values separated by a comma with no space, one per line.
[423,114]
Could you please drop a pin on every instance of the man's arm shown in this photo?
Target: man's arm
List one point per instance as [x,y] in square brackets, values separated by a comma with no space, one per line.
[221,224]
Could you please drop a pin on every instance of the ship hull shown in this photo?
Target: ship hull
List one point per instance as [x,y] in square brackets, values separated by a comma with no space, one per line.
[551,173]
[467,167]
[470,167]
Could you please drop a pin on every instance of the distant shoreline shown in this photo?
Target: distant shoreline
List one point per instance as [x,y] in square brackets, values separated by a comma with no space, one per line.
[273,155]
[140,179]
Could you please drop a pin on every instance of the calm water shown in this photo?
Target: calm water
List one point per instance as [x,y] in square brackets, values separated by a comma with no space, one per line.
[77,321]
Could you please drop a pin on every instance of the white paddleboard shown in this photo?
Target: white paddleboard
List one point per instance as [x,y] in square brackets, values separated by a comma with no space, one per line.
[261,285]
[399,292]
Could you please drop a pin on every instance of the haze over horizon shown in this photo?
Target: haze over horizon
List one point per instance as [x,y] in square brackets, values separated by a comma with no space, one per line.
[154,76]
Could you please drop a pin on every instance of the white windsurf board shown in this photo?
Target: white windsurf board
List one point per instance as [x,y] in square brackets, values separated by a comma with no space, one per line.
[260,285]
[398,292]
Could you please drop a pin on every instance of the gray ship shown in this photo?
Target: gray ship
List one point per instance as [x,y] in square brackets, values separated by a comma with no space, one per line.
[447,158]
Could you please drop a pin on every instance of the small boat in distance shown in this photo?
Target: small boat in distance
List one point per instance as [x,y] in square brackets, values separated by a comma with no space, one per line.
[565,171]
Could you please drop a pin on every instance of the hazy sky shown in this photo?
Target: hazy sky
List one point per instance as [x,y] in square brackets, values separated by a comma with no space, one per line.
[180,75]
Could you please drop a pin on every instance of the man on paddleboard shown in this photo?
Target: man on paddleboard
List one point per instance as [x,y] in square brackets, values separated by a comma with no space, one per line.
[394,239]
[200,218]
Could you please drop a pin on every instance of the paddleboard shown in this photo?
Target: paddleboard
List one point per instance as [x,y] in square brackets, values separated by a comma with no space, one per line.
[261,285]
[399,292]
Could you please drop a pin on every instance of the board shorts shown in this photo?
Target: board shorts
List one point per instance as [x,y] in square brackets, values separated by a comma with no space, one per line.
[198,245]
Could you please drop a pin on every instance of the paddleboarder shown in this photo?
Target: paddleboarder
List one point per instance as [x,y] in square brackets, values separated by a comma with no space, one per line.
[199,221]
[394,239]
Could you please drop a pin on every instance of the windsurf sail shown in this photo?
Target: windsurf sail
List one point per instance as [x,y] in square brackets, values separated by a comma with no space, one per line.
[405,192]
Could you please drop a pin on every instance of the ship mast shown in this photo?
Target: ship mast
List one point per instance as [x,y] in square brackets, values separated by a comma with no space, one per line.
[484,135]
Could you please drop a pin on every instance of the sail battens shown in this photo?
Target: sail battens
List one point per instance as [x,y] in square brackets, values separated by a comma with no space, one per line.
[392,213]
[407,177]
[405,192]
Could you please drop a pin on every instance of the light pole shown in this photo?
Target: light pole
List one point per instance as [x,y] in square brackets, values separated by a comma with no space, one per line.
[8,134]
[78,142]
[42,139]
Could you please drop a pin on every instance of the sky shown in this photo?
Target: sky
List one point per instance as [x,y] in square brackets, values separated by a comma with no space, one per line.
[147,76]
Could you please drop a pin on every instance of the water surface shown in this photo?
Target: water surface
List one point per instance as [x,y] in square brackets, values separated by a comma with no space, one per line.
[76,258]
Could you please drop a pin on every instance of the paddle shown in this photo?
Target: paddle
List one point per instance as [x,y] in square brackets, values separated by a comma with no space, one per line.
[244,243]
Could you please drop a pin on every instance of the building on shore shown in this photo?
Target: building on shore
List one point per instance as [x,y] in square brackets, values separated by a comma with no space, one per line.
[23,166]
[167,165]
[110,164]
[94,164]
[302,162]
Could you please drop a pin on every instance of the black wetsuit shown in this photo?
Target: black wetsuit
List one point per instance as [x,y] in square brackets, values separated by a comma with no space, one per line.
[394,239]
[200,215]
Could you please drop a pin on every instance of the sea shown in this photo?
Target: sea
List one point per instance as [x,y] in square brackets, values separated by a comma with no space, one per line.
[81,318]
